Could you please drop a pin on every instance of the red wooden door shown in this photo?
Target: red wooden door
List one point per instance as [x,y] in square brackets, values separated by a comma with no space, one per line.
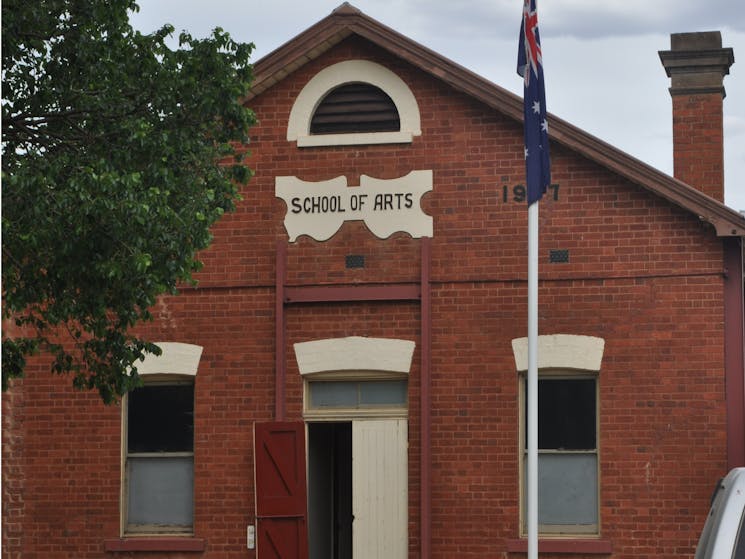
[281,503]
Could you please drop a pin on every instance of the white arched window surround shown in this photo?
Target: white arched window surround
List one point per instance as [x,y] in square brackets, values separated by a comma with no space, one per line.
[568,457]
[157,480]
[353,71]
[352,360]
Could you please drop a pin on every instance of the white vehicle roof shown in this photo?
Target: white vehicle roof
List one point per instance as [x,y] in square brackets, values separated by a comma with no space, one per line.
[722,531]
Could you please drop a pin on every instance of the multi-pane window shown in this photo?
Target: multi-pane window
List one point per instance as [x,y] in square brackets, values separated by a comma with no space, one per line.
[357,394]
[160,458]
[567,454]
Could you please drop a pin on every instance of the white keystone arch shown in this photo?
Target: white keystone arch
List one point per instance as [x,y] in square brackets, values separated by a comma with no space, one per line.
[561,351]
[176,359]
[350,71]
[354,353]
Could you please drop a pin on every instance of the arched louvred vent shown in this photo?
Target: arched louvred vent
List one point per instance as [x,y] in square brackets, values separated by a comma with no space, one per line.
[356,107]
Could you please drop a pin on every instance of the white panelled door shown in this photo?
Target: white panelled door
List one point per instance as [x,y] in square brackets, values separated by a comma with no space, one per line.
[380,489]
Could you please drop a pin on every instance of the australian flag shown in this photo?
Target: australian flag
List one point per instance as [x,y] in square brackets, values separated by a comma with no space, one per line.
[530,67]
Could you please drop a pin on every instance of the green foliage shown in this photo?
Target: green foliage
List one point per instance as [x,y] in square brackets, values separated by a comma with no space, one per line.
[117,157]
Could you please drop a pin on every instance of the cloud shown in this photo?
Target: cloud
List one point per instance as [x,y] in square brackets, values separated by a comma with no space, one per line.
[619,18]
[566,18]
[734,126]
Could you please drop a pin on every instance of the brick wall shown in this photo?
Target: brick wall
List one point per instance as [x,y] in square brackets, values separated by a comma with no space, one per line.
[642,274]
[698,157]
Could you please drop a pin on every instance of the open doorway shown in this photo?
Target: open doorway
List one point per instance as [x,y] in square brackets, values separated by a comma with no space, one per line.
[357,435]
[357,489]
[330,490]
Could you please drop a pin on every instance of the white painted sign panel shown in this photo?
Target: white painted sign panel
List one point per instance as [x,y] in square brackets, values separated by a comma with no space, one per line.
[318,209]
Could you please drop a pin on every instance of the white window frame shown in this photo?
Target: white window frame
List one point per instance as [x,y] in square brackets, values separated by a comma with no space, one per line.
[560,529]
[177,364]
[342,73]
[560,356]
[312,413]
[354,358]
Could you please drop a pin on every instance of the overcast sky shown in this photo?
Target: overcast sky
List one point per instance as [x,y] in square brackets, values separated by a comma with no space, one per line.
[600,58]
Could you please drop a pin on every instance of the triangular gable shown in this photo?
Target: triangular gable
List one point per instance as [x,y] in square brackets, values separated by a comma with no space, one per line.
[347,20]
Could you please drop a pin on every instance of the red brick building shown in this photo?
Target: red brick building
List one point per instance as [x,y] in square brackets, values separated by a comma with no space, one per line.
[347,380]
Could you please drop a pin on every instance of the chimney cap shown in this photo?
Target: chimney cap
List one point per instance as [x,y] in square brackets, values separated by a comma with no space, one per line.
[699,40]
[697,63]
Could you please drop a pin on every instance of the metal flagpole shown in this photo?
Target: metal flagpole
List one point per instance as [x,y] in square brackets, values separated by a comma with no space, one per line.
[532,381]
[538,177]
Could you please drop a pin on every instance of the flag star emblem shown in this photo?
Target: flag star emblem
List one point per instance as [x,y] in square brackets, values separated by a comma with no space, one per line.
[530,67]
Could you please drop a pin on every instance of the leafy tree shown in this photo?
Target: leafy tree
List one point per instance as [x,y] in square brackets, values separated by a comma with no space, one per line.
[117,157]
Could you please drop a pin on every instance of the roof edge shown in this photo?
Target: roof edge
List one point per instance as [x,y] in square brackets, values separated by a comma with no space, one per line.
[726,221]
[347,20]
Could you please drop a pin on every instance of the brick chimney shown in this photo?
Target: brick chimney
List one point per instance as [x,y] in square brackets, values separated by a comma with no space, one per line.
[697,64]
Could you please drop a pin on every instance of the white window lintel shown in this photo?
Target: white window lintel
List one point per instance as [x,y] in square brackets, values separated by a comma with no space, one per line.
[354,353]
[561,351]
[176,359]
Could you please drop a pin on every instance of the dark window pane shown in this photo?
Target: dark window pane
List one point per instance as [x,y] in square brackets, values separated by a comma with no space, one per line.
[161,419]
[566,414]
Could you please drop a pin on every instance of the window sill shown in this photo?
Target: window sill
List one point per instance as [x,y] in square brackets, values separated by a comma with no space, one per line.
[154,543]
[588,546]
[355,139]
